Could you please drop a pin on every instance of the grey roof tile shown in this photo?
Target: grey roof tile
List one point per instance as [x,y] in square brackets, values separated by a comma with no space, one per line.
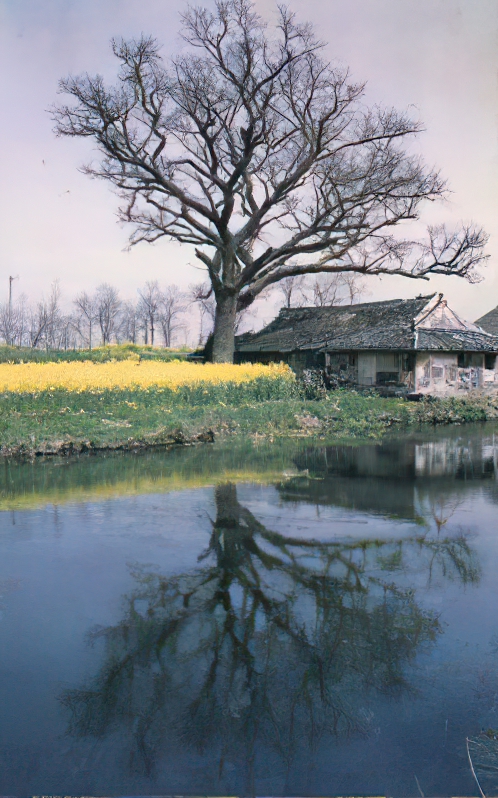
[489,321]
[370,325]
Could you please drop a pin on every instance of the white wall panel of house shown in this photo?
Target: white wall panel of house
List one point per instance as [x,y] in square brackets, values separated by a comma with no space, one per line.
[439,372]
[443,369]
[422,371]
[367,368]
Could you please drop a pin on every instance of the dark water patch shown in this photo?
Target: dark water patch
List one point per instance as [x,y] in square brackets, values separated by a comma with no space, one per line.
[290,620]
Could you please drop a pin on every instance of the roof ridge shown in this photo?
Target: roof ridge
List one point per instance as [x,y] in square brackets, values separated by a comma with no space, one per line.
[425,297]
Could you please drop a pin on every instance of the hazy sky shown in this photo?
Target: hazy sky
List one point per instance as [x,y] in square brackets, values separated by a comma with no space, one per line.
[438,57]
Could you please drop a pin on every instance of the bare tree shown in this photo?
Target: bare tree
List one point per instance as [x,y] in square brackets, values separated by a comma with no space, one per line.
[68,333]
[21,310]
[173,305]
[38,320]
[325,290]
[86,316]
[354,286]
[55,317]
[150,302]
[262,155]
[107,306]
[129,323]
[13,321]
[289,287]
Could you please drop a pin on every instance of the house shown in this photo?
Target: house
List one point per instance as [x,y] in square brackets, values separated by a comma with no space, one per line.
[489,322]
[419,344]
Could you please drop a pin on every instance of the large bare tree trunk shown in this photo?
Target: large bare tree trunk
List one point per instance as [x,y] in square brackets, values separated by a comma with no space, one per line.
[224,328]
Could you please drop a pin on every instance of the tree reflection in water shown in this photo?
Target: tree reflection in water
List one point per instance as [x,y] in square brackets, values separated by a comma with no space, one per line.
[270,644]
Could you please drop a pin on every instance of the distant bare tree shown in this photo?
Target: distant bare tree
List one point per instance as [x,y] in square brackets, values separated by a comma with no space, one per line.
[21,309]
[107,307]
[289,287]
[325,290]
[86,316]
[55,317]
[149,308]
[173,305]
[129,323]
[354,287]
[38,320]
[68,336]
[13,322]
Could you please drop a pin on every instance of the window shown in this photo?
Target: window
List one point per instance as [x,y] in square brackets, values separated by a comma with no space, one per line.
[489,361]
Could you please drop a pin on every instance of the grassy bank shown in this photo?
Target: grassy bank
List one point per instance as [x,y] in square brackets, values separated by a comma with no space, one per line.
[65,421]
[99,354]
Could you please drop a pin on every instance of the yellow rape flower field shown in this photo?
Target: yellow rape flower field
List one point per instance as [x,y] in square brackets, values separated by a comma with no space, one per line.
[86,376]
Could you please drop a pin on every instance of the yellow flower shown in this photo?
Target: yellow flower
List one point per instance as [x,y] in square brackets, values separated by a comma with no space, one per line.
[87,376]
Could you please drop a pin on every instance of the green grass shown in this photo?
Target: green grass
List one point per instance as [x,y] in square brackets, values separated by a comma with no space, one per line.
[64,421]
[101,354]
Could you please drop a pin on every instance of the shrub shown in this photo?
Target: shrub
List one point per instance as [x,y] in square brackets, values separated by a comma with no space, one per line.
[312,384]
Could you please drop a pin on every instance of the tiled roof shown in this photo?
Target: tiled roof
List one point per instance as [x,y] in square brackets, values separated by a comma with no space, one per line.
[489,322]
[371,325]
[456,340]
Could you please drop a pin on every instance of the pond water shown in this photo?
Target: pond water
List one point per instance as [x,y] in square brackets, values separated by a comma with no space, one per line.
[296,619]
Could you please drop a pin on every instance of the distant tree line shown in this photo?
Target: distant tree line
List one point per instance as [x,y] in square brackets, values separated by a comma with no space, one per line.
[158,316]
[164,316]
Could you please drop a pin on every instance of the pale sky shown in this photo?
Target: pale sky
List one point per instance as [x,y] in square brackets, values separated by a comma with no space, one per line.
[437,57]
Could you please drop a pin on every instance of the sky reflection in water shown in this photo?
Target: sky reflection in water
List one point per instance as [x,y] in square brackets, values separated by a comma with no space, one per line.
[330,630]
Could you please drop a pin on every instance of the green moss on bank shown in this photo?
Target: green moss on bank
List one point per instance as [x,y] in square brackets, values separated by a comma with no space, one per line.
[61,421]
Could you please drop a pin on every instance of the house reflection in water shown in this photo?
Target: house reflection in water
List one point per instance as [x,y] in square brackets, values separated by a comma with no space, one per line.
[392,479]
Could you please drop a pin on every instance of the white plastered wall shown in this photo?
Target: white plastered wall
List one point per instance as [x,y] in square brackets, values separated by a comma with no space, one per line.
[438,372]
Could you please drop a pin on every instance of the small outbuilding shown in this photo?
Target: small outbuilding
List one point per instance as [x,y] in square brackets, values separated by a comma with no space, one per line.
[419,345]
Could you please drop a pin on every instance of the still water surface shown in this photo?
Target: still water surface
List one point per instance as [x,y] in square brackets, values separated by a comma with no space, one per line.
[300,619]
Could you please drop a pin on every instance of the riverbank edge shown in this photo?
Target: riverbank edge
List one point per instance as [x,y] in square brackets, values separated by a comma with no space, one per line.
[64,423]
[68,447]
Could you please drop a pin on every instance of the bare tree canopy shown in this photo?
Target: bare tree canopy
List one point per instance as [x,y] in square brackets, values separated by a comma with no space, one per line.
[290,287]
[86,315]
[174,303]
[107,307]
[149,308]
[324,290]
[254,149]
